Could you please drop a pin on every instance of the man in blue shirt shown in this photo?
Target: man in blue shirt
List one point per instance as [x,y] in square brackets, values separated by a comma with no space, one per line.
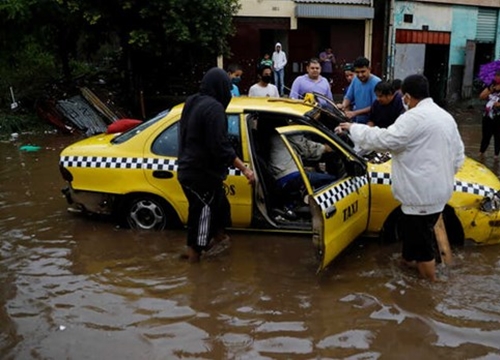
[361,92]
[388,106]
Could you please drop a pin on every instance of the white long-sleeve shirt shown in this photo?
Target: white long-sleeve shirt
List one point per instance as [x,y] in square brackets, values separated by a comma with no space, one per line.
[427,151]
[279,60]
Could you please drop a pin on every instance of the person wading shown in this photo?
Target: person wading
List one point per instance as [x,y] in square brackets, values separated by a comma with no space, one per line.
[427,151]
[204,156]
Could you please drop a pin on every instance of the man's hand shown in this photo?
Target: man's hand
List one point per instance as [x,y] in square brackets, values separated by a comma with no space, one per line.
[343,127]
[350,114]
[328,148]
[249,175]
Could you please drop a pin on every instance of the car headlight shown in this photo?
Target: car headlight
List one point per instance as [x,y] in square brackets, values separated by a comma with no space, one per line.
[491,203]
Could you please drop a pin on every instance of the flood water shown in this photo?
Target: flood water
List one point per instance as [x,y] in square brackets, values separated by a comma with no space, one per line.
[79,288]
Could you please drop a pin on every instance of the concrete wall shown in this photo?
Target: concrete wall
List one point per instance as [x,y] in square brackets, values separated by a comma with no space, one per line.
[463,29]
[436,17]
[269,8]
[483,3]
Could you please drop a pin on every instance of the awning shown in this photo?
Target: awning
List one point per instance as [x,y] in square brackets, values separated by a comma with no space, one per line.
[334,9]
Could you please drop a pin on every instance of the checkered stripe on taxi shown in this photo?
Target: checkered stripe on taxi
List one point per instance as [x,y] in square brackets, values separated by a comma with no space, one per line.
[340,191]
[475,189]
[126,163]
[459,186]
[380,178]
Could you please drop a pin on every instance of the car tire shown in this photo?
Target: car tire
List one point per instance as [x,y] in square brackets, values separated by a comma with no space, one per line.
[146,212]
[390,230]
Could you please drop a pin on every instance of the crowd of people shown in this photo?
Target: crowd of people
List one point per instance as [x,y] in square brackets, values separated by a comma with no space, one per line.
[366,99]
[395,116]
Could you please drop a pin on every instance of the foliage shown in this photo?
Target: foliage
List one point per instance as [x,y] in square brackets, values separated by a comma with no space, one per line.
[11,122]
[487,72]
[143,43]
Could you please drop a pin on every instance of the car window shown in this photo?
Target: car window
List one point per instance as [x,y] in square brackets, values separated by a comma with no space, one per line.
[234,135]
[167,143]
[138,129]
[322,161]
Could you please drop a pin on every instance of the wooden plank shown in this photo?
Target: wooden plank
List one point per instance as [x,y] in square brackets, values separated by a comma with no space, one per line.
[442,241]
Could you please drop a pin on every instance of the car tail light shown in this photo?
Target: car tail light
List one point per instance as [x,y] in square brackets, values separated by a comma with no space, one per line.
[65,173]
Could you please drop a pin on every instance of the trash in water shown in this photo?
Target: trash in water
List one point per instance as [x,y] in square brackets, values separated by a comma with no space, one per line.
[30,148]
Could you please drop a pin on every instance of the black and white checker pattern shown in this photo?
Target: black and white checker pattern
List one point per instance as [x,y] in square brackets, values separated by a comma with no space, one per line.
[380,178]
[160,164]
[101,162]
[471,188]
[127,163]
[459,186]
[340,191]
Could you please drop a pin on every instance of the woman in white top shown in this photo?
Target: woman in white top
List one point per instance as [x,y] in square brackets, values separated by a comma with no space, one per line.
[264,87]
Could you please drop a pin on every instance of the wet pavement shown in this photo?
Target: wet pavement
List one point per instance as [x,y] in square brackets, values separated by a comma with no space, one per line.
[78,288]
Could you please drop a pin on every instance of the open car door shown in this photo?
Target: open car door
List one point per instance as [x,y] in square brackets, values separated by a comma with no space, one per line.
[340,208]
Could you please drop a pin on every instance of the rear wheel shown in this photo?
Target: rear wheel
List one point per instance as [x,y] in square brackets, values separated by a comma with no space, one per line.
[146,212]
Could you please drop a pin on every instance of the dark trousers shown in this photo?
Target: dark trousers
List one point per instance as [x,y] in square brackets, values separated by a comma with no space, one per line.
[209,213]
[490,127]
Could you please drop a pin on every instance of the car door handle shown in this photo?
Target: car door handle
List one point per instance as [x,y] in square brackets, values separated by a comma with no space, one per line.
[330,211]
[162,174]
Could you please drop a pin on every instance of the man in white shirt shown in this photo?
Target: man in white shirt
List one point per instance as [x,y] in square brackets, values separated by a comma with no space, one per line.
[427,151]
[279,63]
[263,87]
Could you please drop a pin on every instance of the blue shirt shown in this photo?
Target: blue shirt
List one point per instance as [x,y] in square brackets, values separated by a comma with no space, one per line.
[362,94]
[235,91]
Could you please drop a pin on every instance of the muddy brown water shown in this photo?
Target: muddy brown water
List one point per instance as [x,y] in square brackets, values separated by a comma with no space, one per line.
[79,288]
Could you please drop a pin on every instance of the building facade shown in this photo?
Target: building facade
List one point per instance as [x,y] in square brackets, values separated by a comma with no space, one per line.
[445,40]
[305,28]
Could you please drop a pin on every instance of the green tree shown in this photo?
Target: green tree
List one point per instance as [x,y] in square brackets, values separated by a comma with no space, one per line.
[155,42]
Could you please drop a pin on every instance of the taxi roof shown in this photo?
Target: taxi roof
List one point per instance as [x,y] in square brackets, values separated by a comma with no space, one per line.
[245,104]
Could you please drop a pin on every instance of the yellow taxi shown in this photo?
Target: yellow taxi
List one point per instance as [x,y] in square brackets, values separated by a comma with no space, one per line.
[132,176]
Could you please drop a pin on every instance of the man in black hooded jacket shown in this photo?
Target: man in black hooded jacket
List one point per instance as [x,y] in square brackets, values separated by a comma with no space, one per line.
[204,156]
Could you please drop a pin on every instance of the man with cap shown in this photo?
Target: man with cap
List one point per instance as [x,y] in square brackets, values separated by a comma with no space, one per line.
[279,63]
[204,156]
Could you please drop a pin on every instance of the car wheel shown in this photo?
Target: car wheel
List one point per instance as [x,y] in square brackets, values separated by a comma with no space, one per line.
[390,232]
[146,213]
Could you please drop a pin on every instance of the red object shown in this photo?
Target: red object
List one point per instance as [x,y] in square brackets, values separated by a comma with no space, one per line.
[122,125]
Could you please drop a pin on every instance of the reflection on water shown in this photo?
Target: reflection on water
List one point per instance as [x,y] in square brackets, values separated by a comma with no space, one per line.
[77,288]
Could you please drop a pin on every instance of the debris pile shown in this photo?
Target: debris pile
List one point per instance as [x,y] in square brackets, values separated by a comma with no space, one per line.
[84,112]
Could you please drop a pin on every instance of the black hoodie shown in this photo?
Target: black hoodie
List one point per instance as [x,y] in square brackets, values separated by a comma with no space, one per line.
[204,149]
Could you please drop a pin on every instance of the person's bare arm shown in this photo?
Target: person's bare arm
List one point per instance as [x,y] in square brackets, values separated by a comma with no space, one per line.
[246,171]
[351,114]
[345,104]
[488,90]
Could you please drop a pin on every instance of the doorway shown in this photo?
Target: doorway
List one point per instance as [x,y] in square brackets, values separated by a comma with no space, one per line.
[436,70]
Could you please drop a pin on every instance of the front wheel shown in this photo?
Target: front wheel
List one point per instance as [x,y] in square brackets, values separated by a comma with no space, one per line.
[145,212]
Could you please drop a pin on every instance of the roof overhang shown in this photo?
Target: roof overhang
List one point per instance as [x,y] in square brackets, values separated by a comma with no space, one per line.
[331,9]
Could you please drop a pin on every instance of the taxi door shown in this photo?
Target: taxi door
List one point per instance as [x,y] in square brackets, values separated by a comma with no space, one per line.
[340,210]
[161,170]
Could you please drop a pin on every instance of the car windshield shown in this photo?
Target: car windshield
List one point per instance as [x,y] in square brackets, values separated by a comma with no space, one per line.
[138,129]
